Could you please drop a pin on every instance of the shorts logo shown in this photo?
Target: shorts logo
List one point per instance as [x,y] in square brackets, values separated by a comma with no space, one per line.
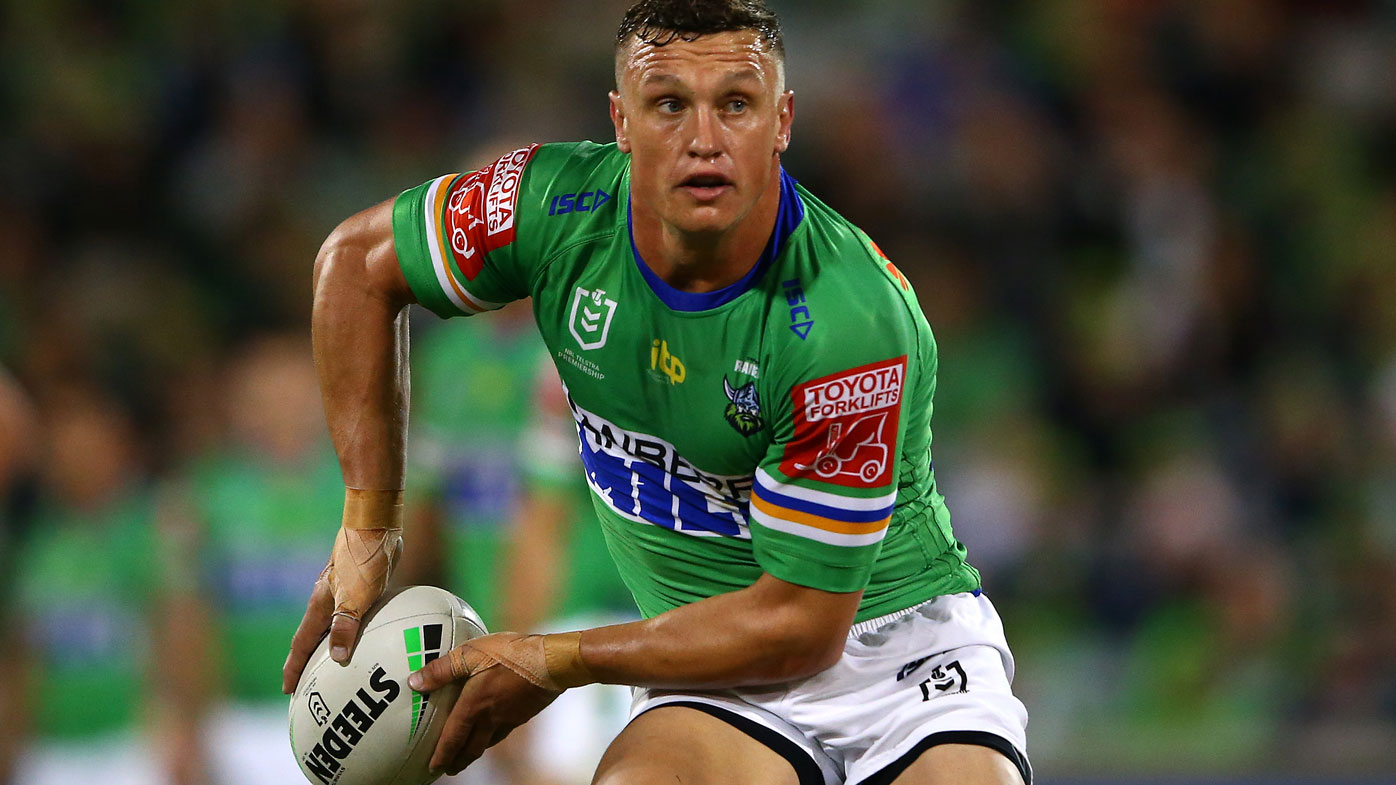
[743,408]
[911,667]
[945,678]
[846,426]
[480,210]
[590,320]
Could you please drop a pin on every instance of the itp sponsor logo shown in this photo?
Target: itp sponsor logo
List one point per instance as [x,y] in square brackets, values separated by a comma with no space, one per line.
[665,364]
[590,319]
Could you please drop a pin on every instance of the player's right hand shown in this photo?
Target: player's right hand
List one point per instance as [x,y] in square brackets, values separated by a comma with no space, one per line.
[358,571]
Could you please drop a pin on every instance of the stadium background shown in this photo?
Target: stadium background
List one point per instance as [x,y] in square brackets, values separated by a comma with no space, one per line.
[1156,240]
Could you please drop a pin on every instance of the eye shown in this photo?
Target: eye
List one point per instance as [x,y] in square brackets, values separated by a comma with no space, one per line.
[669,105]
[736,105]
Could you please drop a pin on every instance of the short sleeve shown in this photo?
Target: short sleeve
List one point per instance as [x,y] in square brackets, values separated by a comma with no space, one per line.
[824,495]
[456,235]
[840,388]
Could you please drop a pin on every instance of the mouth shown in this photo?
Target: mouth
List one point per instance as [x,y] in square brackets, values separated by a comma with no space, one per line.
[706,187]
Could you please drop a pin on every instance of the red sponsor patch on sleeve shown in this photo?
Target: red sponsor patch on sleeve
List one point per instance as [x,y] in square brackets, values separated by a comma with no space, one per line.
[480,209]
[846,426]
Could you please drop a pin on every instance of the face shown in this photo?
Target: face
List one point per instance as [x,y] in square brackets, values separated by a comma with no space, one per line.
[704,122]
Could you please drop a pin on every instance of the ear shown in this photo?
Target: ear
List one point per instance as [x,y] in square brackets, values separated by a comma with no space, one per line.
[786,112]
[618,120]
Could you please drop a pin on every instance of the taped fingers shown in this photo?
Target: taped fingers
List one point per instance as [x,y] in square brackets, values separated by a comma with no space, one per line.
[344,635]
[360,567]
[459,664]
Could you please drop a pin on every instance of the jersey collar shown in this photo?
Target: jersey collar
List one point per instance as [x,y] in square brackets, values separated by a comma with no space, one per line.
[788,217]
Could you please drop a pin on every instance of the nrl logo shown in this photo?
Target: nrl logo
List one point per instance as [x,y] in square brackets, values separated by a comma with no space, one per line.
[743,409]
[590,321]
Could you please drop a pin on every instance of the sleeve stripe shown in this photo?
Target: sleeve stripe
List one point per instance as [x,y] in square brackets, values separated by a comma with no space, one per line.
[851,540]
[818,522]
[813,500]
[796,506]
[436,244]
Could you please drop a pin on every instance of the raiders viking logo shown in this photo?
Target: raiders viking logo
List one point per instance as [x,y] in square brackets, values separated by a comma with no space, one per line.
[743,409]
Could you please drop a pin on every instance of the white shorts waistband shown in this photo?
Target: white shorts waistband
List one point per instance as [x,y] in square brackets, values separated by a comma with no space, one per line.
[875,623]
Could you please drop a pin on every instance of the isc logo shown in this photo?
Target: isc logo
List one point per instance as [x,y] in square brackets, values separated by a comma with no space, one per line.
[583,202]
[800,320]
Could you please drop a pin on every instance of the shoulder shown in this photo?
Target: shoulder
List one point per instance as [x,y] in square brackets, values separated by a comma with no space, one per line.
[570,190]
[834,286]
[574,177]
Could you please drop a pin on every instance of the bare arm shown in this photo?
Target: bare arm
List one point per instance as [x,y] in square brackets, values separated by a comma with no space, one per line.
[359,331]
[769,632]
[359,334]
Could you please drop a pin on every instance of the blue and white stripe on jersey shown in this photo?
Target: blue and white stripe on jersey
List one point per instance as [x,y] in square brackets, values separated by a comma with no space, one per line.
[644,479]
[819,515]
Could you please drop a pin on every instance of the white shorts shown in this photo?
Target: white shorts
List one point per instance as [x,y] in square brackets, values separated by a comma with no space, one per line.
[937,673]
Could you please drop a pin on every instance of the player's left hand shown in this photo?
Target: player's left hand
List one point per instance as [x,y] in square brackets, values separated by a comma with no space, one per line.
[494,700]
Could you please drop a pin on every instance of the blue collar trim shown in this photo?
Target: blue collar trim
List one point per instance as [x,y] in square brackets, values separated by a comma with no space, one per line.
[788,218]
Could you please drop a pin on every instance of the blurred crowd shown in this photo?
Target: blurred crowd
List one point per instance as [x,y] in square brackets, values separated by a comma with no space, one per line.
[1156,240]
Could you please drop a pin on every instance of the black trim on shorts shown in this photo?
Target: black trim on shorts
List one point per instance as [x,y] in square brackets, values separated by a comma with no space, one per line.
[977,737]
[805,768]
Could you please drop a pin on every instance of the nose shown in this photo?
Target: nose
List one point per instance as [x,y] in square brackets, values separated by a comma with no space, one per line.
[706,141]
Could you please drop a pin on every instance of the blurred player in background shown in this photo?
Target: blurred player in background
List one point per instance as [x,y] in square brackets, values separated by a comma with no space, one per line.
[500,515]
[88,629]
[240,539]
[752,383]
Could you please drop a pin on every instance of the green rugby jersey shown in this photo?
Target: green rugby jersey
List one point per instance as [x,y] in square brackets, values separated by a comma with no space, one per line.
[780,424]
[86,593]
[262,542]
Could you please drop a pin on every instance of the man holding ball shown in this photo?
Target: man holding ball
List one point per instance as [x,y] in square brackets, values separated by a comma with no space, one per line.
[752,384]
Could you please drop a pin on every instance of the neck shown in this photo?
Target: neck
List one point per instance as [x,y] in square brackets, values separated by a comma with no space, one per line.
[707,261]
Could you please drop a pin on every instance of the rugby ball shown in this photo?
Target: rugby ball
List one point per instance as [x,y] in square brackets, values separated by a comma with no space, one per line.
[360,724]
